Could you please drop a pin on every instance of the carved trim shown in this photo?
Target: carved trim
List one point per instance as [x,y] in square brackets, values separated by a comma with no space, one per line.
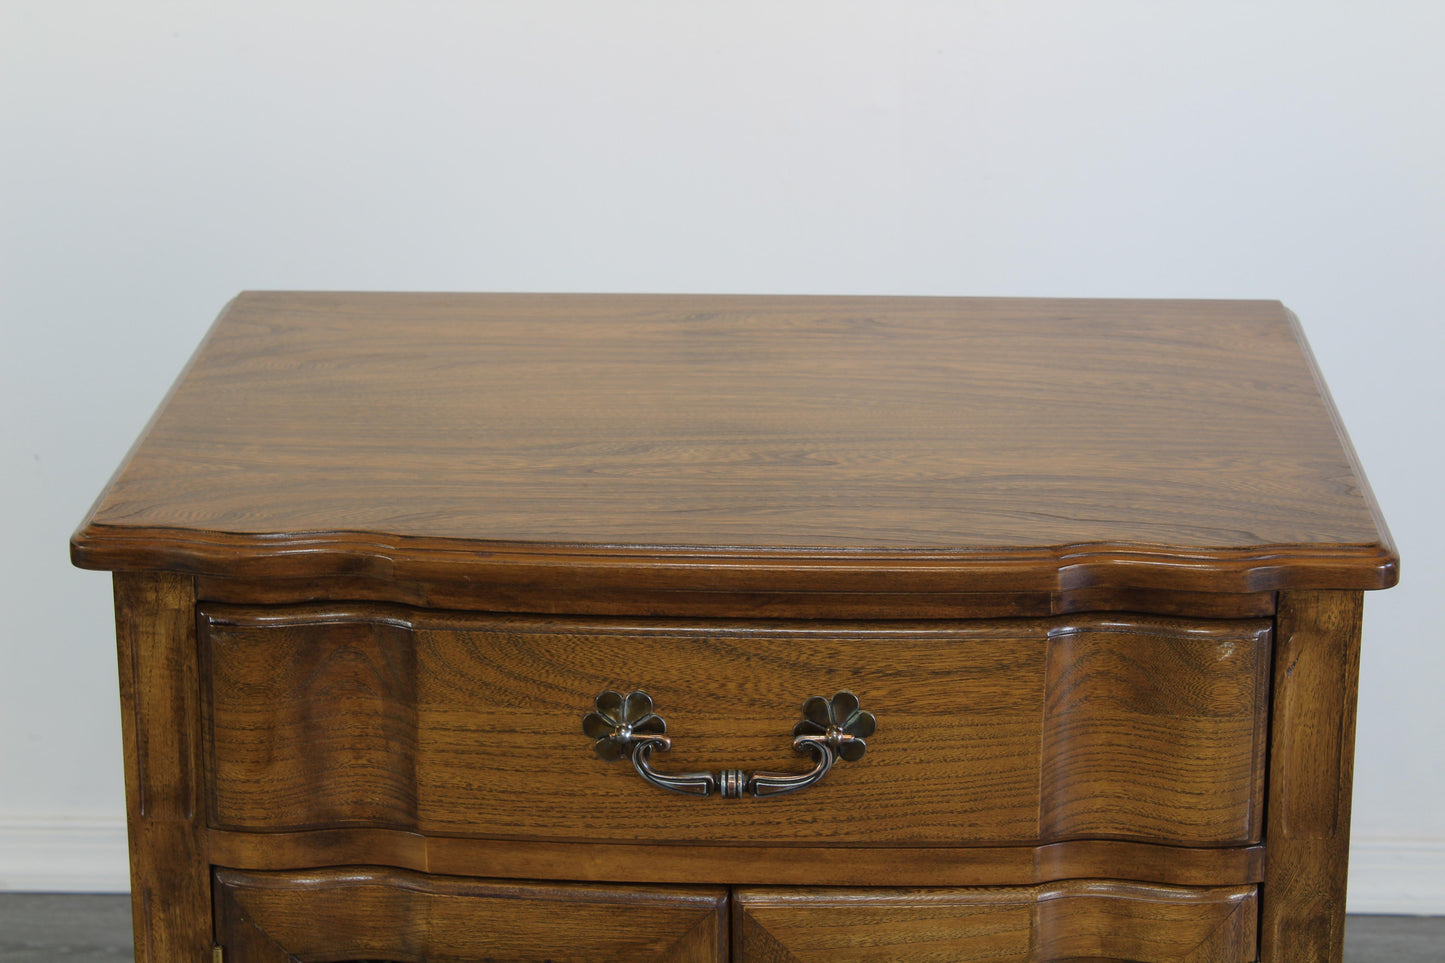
[366,914]
[759,865]
[1062,569]
[1074,919]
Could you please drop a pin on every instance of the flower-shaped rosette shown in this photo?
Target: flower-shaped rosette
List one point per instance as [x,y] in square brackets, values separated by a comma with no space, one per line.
[840,714]
[620,721]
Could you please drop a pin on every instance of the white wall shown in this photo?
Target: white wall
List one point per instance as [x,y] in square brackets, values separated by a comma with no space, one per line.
[160,156]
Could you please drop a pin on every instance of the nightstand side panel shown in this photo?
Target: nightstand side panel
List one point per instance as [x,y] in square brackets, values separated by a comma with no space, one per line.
[1312,745]
[160,727]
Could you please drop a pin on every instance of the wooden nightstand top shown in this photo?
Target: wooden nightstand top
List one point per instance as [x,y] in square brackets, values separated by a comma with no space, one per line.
[962,445]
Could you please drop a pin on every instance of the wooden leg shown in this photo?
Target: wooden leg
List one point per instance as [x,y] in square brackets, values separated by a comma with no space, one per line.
[160,724]
[1307,834]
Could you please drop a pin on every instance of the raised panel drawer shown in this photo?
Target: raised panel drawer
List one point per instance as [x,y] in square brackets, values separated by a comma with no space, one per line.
[1096,920]
[998,732]
[368,915]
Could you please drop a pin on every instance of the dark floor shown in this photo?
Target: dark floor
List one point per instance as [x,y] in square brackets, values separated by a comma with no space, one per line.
[96,929]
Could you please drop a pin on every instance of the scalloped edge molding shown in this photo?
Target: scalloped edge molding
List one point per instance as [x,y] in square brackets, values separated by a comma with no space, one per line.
[1387,876]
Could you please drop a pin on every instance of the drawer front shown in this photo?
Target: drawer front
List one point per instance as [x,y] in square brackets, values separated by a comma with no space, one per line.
[989,732]
[377,914]
[1075,920]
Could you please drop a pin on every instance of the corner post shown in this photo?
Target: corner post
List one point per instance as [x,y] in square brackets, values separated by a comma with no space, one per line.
[1312,750]
[161,728]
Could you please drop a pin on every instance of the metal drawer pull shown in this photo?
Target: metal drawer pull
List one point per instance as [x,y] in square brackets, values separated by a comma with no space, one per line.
[831,729]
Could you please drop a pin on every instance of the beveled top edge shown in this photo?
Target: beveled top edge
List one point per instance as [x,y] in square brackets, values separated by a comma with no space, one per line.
[1059,569]
[1386,545]
[1352,563]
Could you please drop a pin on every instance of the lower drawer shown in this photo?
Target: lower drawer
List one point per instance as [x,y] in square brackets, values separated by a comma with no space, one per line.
[377,915]
[380,915]
[1096,920]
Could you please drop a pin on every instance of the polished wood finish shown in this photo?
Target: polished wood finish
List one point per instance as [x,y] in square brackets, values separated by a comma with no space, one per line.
[1075,920]
[566,599]
[1096,566]
[160,730]
[738,444]
[332,914]
[1316,666]
[726,864]
[1152,730]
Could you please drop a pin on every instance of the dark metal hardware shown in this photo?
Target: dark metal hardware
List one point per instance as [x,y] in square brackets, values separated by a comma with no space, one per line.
[832,729]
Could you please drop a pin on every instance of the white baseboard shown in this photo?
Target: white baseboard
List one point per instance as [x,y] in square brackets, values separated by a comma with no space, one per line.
[1392,876]
[63,856]
[1397,876]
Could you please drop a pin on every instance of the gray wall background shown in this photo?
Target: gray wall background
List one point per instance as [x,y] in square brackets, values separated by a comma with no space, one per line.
[159,156]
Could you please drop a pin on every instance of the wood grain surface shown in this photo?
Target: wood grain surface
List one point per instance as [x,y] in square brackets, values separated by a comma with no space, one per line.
[155,629]
[374,914]
[568,598]
[728,443]
[376,555]
[989,732]
[790,865]
[1317,665]
[1074,920]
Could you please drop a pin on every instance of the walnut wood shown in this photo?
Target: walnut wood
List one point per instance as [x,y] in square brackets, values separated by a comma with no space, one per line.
[1134,701]
[1095,566]
[378,913]
[1316,666]
[1076,919]
[568,600]
[159,682]
[739,444]
[720,864]
[1153,729]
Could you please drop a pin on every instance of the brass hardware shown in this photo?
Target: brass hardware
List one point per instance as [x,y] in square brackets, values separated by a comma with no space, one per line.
[832,729]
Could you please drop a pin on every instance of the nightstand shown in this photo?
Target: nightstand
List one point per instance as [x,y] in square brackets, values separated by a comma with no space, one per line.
[594,627]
